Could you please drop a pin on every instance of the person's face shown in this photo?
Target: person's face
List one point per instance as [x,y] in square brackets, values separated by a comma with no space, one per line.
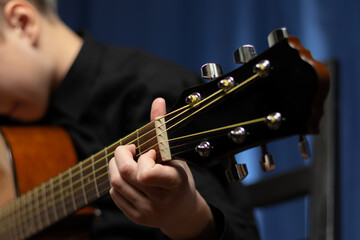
[24,78]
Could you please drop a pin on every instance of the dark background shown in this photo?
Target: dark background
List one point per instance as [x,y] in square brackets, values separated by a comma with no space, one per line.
[193,32]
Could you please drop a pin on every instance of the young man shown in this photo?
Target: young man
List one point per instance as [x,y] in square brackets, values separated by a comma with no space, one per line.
[52,76]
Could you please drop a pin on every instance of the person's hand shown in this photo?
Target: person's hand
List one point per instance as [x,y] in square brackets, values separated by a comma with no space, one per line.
[159,195]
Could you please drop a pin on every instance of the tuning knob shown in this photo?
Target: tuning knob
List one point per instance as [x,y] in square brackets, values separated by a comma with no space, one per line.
[203,149]
[304,147]
[236,172]
[244,54]
[238,135]
[277,35]
[193,99]
[267,160]
[274,120]
[211,71]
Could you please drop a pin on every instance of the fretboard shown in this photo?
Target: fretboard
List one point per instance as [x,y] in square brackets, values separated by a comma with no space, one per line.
[69,191]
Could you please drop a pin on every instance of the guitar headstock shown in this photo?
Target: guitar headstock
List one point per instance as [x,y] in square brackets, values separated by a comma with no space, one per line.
[277,94]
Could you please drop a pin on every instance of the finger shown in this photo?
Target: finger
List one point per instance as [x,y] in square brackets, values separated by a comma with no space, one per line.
[113,170]
[146,163]
[123,204]
[158,108]
[124,169]
[153,174]
[124,159]
[119,186]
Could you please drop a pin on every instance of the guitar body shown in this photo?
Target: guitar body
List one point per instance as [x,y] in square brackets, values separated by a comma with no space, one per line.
[29,156]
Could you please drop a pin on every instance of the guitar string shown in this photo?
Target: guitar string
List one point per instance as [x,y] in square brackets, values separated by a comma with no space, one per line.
[91,158]
[106,165]
[235,88]
[99,160]
[208,104]
[41,203]
[56,178]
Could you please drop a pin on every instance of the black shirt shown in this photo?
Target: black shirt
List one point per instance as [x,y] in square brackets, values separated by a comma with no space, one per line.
[107,94]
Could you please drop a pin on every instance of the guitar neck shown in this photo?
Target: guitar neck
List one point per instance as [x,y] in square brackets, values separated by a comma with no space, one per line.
[277,94]
[69,191]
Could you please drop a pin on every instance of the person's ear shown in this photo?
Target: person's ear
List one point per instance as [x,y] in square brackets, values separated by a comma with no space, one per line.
[22,17]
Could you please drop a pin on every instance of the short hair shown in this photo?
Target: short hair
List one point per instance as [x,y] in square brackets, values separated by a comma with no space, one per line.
[46,7]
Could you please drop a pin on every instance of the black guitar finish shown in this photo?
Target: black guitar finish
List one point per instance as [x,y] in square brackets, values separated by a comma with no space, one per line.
[295,86]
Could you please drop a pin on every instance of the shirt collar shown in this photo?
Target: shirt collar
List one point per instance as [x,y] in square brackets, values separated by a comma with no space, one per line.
[73,92]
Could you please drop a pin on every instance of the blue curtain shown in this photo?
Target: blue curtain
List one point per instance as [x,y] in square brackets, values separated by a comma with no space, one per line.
[194,32]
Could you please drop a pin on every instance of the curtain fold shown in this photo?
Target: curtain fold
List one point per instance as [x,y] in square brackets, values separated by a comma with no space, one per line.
[195,32]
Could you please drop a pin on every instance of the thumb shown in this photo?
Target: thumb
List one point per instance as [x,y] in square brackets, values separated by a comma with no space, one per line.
[158,108]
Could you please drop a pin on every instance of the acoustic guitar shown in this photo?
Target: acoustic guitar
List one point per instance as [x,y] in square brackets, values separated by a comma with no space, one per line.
[277,94]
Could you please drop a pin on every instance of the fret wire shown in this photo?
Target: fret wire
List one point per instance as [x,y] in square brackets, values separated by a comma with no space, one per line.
[107,161]
[29,198]
[47,219]
[56,189]
[38,209]
[53,198]
[22,229]
[31,224]
[18,223]
[7,228]
[23,226]
[71,188]
[89,181]
[77,187]
[13,212]
[82,181]
[106,172]
[17,218]
[106,156]
[61,180]
[68,188]
[6,212]
[61,192]
[93,170]
[62,196]
[33,211]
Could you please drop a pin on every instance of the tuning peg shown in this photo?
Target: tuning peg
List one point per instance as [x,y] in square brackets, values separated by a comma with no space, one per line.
[203,149]
[244,54]
[277,35]
[236,172]
[304,147]
[211,71]
[274,120]
[226,84]
[193,98]
[238,135]
[267,160]
[262,68]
